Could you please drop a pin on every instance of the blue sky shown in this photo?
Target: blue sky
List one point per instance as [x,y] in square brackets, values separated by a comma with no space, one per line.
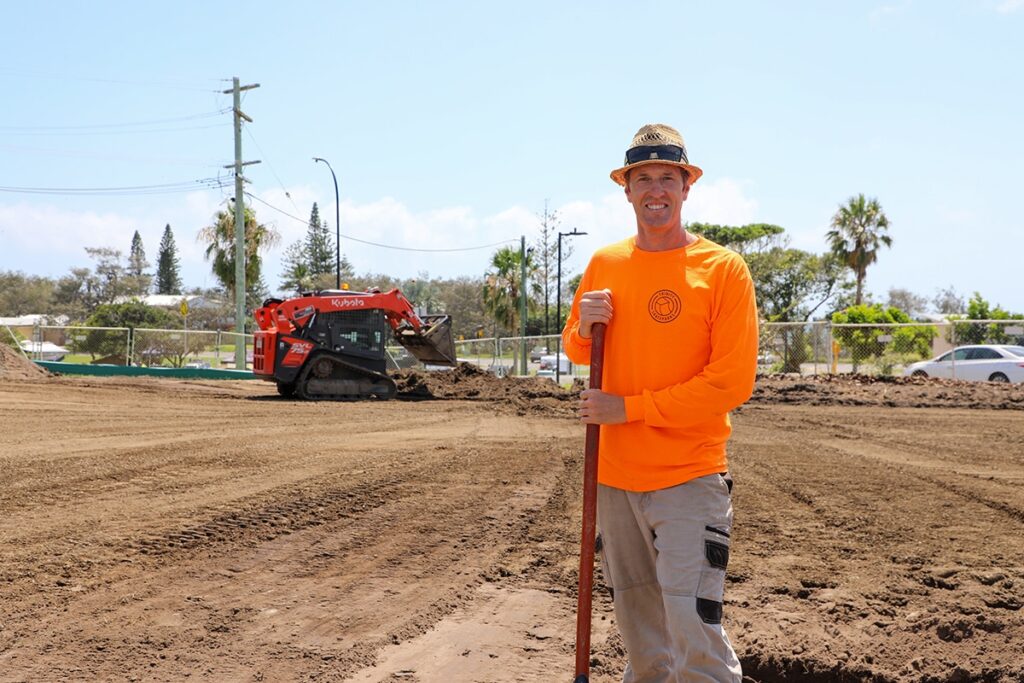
[450,123]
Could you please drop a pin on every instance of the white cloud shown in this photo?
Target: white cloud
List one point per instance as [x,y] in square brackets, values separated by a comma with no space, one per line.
[31,228]
[48,241]
[879,14]
[612,219]
[958,216]
[1009,6]
[722,201]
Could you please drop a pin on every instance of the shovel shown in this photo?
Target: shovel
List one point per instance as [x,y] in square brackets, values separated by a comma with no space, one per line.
[586,588]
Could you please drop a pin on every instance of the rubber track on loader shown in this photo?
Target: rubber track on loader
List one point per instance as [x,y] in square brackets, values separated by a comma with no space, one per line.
[328,377]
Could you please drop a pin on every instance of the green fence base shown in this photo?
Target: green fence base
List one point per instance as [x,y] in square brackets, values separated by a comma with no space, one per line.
[139,371]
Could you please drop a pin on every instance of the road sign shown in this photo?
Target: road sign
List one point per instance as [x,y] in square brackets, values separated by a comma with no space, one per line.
[184,307]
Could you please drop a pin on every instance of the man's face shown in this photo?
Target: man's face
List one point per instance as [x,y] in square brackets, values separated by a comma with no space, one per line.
[657,193]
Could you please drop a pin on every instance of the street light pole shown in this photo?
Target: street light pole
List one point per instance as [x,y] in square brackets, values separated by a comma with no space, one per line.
[337,227]
[558,304]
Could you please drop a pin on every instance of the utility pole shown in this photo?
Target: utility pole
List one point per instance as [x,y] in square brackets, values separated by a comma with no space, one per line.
[236,90]
[558,306]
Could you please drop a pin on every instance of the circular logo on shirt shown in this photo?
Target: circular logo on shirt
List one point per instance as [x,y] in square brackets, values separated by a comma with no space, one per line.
[664,306]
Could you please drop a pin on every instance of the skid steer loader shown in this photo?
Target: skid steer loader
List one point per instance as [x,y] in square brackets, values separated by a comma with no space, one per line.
[331,344]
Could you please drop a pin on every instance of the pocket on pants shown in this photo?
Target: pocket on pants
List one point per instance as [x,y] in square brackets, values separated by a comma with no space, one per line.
[711,587]
[605,570]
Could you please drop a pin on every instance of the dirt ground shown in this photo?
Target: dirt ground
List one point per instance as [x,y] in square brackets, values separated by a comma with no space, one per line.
[160,530]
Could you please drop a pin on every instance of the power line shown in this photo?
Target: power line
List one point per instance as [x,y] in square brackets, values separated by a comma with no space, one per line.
[152,122]
[66,77]
[115,132]
[164,188]
[86,154]
[279,181]
[378,244]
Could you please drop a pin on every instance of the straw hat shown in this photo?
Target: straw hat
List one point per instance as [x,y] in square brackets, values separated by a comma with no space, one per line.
[656,143]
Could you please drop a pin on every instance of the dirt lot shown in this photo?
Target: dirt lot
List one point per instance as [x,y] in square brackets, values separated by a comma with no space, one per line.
[160,530]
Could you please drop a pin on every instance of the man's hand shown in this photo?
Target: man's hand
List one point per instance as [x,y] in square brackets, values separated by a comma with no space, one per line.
[595,307]
[599,408]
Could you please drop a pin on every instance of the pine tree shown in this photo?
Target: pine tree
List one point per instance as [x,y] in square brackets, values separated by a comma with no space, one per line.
[296,277]
[138,280]
[545,257]
[168,269]
[319,245]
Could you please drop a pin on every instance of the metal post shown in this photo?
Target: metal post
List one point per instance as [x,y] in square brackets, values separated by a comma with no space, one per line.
[558,305]
[337,226]
[522,302]
[558,316]
[816,335]
[952,354]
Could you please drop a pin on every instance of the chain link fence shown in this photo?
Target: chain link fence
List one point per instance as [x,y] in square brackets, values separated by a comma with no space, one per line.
[823,347]
[806,348]
[139,346]
[109,345]
[227,344]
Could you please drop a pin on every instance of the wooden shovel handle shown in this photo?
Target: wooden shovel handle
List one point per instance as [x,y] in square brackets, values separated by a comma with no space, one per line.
[586,587]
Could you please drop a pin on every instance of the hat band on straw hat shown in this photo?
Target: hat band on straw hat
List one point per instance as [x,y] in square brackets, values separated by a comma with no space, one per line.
[656,143]
[670,153]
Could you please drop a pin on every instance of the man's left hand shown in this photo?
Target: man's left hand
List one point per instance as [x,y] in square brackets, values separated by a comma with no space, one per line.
[598,407]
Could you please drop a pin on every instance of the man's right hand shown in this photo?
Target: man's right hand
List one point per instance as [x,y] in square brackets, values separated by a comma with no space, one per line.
[595,307]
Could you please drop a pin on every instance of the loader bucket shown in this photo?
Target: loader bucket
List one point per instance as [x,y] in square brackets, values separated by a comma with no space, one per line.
[434,345]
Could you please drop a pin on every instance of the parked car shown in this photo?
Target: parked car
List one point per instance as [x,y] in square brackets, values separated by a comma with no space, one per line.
[44,350]
[548,363]
[980,363]
[537,351]
[198,364]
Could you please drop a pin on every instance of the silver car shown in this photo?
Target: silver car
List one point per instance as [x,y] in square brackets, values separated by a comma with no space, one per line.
[980,363]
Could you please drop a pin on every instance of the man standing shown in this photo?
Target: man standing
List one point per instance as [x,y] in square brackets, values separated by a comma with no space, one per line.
[680,353]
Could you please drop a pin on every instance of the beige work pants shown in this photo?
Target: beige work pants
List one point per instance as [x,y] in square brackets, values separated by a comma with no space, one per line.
[664,554]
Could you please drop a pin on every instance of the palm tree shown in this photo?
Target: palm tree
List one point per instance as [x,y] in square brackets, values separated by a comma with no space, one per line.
[858,231]
[220,247]
[503,286]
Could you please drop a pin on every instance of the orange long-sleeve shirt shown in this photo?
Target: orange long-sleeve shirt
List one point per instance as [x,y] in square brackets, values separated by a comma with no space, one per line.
[681,348]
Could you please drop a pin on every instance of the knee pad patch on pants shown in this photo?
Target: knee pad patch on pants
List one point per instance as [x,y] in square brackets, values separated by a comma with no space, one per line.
[710,612]
[717,554]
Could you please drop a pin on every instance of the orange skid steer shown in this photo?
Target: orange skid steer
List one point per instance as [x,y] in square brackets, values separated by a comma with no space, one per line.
[332,344]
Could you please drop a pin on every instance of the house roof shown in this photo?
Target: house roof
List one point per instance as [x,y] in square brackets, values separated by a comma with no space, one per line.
[170,300]
[34,319]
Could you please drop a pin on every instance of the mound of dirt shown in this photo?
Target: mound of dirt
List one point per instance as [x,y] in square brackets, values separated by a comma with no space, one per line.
[893,392]
[13,365]
[471,382]
[537,394]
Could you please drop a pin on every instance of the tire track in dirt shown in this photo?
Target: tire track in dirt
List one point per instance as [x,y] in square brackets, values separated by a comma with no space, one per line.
[353,531]
[951,482]
[844,567]
[892,593]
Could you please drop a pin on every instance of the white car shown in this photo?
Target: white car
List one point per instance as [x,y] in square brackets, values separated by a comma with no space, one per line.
[548,363]
[979,363]
[44,350]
